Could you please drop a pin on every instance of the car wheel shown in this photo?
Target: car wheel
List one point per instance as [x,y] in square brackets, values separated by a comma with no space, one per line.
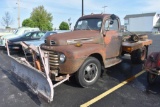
[151,78]
[89,72]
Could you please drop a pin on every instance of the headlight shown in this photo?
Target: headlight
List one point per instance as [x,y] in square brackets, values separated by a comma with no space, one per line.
[62,58]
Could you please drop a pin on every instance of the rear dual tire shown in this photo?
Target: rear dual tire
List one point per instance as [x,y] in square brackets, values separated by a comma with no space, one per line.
[139,55]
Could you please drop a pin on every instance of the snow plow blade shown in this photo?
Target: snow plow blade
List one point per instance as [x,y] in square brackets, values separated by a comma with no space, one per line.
[38,80]
[33,78]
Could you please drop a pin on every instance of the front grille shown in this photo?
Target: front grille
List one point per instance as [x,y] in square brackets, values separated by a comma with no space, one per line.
[53,60]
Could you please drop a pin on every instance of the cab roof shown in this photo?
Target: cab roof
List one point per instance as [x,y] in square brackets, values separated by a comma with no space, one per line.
[101,16]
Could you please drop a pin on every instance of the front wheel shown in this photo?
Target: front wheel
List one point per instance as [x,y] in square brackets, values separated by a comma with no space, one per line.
[89,72]
[151,78]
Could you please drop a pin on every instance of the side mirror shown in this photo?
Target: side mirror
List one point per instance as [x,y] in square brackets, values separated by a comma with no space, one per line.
[111,22]
[113,17]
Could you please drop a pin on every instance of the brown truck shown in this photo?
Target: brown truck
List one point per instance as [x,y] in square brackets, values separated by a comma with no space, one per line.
[95,42]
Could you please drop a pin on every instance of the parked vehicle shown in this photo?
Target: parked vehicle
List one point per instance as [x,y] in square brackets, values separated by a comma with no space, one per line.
[18,32]
[95,43]
[152,66]
[34,35]
[41,40]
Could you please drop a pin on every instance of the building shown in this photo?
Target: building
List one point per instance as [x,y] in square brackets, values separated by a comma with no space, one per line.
[145,22]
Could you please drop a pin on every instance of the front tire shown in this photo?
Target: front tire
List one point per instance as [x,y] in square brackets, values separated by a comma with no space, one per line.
[89,72]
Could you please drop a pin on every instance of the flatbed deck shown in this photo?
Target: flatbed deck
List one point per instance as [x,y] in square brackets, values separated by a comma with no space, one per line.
[131,46]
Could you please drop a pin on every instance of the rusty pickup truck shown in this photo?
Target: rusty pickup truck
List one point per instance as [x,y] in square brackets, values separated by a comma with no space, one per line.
[95,42]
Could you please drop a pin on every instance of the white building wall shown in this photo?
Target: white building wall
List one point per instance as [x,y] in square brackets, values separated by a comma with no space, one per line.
[141,24]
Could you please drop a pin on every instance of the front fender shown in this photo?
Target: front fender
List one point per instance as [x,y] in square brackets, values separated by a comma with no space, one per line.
[77,55]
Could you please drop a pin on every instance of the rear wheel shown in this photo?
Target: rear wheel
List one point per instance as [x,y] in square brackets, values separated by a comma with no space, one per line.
[139,55]
[89,72]
[151,78]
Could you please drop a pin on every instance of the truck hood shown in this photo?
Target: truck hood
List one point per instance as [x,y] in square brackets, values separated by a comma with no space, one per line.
[78,36]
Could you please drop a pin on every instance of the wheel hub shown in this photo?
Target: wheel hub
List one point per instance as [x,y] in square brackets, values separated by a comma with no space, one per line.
[90,72]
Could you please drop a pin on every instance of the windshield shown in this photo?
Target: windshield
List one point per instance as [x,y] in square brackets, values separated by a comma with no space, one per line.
[89,24]
[18,32]
[47,34]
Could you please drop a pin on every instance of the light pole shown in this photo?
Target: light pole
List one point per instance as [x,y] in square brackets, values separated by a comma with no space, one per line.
[82,8]
[18,3]
[104,8]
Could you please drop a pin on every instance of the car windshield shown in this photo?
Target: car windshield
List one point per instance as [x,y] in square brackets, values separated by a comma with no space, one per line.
[89,24]
[33,35]
[46,35]
[18,32]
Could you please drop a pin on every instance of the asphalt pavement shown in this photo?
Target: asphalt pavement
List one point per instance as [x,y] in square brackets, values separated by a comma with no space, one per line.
[134,94]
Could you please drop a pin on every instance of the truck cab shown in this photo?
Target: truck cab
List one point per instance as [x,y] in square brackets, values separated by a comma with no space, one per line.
[108,27]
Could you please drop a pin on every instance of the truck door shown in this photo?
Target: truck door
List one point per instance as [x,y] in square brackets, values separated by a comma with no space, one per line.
[112,38]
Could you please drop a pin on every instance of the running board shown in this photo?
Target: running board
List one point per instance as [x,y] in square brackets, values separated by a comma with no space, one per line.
[112,61]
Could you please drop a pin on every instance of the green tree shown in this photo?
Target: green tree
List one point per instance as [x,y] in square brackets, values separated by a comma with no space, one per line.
[64,26]
[28,23]
[42,18]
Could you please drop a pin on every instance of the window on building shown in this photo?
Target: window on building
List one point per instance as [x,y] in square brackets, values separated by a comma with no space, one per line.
[126,21]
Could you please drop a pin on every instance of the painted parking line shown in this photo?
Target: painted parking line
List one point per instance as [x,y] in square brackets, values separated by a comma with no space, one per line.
[111,90]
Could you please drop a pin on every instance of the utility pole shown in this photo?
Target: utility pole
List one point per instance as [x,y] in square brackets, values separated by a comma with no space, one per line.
[18,3]
[104,8]
[82,8]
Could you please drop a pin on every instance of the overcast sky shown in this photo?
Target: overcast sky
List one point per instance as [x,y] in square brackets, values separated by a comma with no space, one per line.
[62,10]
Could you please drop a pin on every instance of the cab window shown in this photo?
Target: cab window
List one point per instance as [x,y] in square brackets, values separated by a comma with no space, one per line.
[111,24]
